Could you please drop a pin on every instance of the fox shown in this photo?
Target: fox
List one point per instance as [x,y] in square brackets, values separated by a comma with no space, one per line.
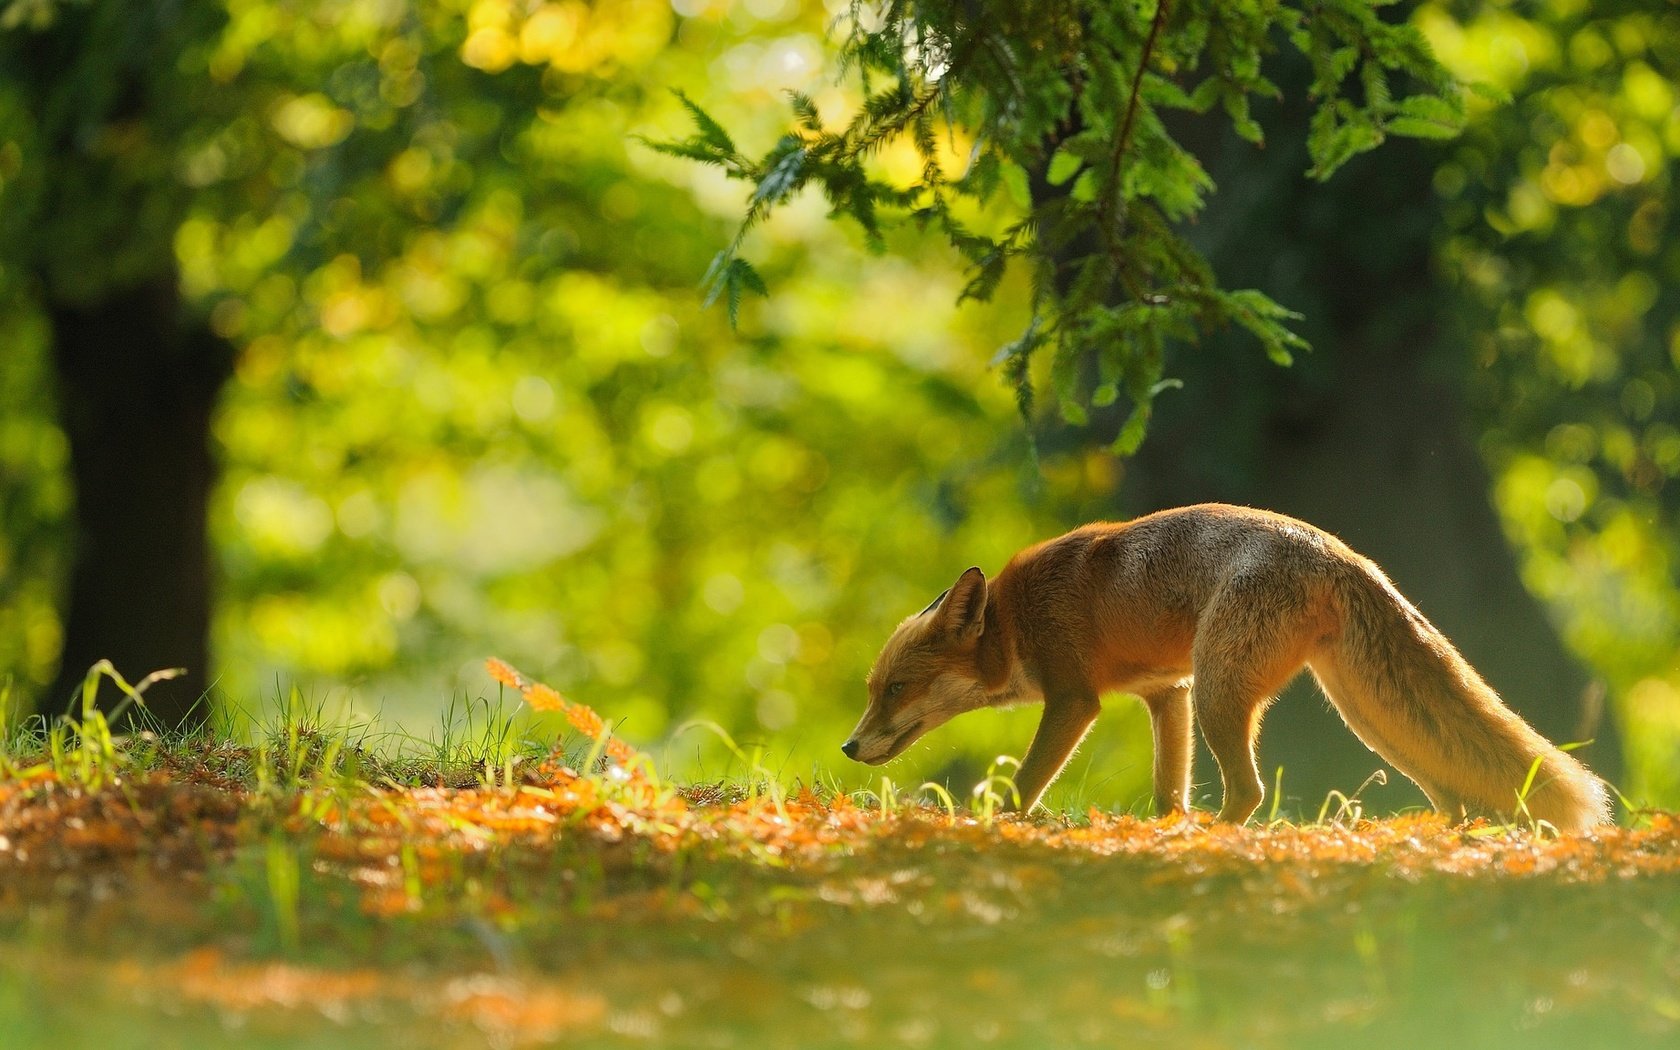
[1205,612]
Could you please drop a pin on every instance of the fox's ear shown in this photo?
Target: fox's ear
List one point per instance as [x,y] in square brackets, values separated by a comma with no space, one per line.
[963,611]
[935,603]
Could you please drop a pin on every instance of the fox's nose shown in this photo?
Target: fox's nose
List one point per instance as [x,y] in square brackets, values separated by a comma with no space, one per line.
[849,748]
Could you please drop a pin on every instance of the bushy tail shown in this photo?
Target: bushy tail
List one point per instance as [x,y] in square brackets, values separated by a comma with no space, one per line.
[1408,694]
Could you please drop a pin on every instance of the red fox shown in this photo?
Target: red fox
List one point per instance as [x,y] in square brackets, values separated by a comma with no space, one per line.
[1212,609]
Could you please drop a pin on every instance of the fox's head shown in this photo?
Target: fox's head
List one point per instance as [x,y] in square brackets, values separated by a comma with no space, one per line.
[927,672]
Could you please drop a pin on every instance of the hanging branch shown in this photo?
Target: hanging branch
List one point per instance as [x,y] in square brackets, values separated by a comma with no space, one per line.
[1113,202]
[1137,286]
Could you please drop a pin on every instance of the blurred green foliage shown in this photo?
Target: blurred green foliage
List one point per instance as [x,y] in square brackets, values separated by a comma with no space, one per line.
[480,409]
[1561,233]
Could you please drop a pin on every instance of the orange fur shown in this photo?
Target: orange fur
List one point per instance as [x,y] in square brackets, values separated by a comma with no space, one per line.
[1212,609]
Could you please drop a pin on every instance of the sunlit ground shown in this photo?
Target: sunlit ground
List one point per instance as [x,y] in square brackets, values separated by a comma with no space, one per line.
[302,893]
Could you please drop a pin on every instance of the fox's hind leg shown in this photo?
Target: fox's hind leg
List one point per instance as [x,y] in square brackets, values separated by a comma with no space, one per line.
[1169,719]
[1252,638]
[1229,715]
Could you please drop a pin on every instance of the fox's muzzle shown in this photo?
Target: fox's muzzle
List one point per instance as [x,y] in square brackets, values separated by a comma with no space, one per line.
[876,755]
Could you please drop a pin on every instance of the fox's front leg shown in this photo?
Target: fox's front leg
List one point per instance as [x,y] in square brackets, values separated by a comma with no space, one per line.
[1067,718]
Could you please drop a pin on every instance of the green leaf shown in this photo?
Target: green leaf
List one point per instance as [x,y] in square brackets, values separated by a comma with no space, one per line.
[729,278]
[1062,167]
[711,132]
[1378,96]
[1262,317]
[1428,117]
[1206,94]
[982,178]
[1020,350]
[1086,187]
[1236,107]
[1015,182]
[784,176]
[742,278]
[713,279]
[1420,129]
[1159,91]
[689,149]
[1064,375]
[749,278]
[1016,359]
[1335,148]
[806,110]
[1488,92]
[986,277]
[1340,64]
[1131,432]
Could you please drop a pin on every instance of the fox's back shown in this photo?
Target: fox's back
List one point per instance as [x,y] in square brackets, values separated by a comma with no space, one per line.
[1121,599]
[1181,554]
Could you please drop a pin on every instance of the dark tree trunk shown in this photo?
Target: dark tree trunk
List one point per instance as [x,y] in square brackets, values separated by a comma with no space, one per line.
[138,379]
[1367,437]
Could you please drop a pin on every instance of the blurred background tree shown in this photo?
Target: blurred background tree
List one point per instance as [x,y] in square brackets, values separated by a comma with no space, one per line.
[1562,243]
[94,113]
[474,405]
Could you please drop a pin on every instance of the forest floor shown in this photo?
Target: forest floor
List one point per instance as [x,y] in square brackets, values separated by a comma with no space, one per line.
[304,894]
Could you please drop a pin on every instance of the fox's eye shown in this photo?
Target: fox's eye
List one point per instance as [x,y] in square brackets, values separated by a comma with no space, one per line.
[892,690]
